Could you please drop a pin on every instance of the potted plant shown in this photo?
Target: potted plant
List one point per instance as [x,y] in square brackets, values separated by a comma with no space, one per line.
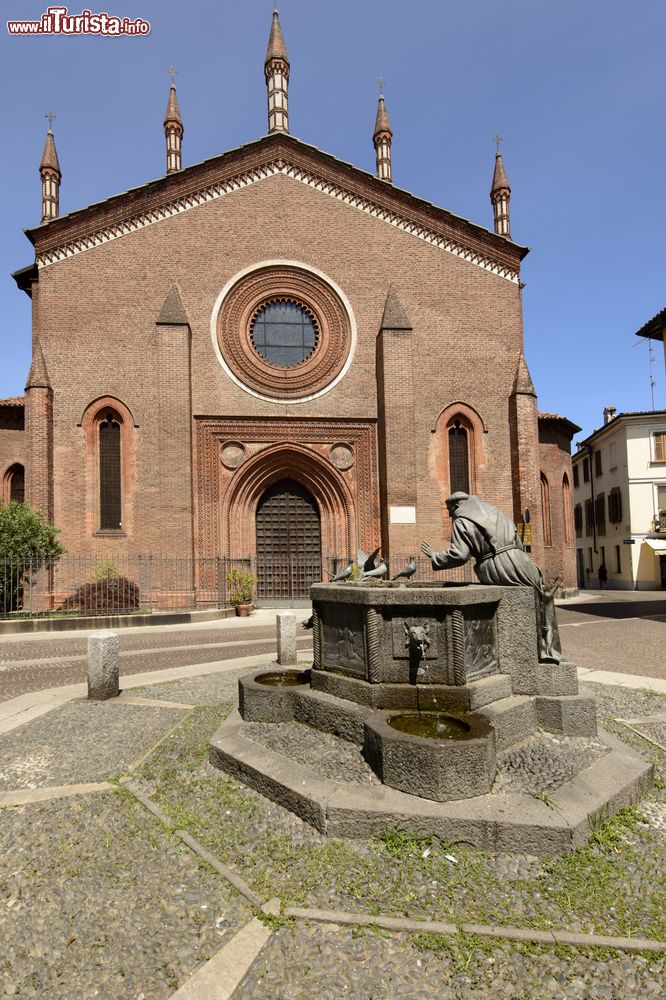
[240,586]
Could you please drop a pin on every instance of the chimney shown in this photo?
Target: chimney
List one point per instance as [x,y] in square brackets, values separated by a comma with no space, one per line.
[609,413]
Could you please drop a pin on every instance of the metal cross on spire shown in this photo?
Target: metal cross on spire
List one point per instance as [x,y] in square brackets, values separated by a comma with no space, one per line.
[173,72]
[382,83]
[498,139]
[50,115]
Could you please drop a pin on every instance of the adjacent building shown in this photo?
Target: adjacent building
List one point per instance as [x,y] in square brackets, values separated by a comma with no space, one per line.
[619,477]
[278,355]
[655,329]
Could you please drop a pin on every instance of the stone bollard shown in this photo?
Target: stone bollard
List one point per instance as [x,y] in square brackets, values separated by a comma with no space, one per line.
[286,638]
[103,666]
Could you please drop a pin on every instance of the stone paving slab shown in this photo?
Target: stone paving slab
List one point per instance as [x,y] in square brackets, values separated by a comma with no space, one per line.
[28,796]
[105,737]
[96,900]
[633,646]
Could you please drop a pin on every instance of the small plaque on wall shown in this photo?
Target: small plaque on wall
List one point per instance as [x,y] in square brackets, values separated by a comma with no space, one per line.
[402,515]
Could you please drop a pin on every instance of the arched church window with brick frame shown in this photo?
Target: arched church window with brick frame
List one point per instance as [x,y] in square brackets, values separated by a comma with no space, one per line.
[545,511]
[566,509]
[459,456]
[458,449]
[13,486]
[109,429]
[110,472]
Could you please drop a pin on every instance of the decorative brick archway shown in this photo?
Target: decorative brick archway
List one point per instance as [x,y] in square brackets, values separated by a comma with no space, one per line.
[238,458]
[288,461]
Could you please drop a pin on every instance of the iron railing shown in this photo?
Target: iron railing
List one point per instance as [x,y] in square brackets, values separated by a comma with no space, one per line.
[88,585]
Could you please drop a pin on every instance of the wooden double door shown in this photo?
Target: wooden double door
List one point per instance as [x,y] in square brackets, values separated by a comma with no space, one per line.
[288,542]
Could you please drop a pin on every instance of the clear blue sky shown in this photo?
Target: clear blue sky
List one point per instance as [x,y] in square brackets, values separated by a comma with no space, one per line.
[576,87]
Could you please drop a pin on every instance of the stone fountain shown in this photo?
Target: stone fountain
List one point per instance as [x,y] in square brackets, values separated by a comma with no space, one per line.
[431,682]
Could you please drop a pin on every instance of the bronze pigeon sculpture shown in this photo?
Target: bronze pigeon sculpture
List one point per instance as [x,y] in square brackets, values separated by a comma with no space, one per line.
[407,572]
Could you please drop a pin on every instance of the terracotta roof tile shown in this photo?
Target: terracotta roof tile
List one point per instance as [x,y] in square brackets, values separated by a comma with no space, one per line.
[654,328]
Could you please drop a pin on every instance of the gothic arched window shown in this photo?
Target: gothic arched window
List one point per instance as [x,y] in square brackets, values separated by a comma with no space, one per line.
[566,508]
[458,457]
[545,511]
[109,434]
[110,475]
[457,452]
[13,487]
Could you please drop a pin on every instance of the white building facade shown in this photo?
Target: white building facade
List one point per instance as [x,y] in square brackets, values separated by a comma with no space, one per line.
[619,476]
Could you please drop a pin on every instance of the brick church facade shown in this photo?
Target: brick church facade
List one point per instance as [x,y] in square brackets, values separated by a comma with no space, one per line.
[275,352]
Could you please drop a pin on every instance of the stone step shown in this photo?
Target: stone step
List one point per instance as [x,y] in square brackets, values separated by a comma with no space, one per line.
[450,698]
[487,690]
[330,714]
[512,719]
[571,715]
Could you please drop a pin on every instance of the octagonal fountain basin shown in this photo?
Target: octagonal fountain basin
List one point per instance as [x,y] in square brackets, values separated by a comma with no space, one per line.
[268,695]
[283,678]
[430,725]
[431,755]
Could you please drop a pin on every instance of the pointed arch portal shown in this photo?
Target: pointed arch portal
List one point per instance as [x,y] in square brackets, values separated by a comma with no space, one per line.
[288,507]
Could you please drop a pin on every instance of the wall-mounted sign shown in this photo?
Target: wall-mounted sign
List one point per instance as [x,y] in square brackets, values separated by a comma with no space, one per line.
[402,515]
[525,533]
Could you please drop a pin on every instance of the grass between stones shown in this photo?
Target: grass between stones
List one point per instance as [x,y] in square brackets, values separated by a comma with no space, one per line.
[614,885]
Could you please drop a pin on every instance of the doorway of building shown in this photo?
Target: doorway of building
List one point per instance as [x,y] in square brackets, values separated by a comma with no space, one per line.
[580,565]
[288,543]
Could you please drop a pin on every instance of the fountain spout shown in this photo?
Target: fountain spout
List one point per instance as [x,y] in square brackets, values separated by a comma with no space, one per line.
[417,638]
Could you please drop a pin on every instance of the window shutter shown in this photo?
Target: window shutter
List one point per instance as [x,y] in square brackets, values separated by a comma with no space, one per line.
[659,447]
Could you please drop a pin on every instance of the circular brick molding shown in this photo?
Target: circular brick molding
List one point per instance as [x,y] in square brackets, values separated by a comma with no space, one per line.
[342,457]
[240,303]
[232,454]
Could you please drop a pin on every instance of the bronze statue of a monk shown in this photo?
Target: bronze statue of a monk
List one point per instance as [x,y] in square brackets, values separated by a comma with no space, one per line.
[483,532]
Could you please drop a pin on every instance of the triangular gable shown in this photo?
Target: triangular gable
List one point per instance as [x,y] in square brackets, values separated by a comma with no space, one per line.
[90,227]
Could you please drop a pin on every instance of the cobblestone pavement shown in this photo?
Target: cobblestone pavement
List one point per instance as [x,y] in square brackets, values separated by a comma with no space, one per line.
[97,901]
[99,898]
[40,755]
[329,963]
[43,661]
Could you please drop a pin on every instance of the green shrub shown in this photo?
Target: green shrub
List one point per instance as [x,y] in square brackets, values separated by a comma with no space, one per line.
[27,541]
[240,586]
[107,593]
[105,570]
